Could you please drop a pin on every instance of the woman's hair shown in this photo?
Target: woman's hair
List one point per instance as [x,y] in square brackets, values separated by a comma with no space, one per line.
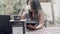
[35,4]
[27,2]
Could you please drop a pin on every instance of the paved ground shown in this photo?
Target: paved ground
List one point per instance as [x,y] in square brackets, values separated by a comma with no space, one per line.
[47,30]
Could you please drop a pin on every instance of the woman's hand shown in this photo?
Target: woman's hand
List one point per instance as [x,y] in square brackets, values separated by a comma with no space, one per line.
[32,27]
[35,27]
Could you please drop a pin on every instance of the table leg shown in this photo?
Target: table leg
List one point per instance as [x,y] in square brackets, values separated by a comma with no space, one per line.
[23,28]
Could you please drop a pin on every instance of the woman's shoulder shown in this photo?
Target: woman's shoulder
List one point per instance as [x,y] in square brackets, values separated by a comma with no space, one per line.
[24,6]
[27,7]
[41,12]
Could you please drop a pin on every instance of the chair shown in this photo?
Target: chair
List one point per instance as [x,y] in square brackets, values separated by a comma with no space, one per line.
[5,25]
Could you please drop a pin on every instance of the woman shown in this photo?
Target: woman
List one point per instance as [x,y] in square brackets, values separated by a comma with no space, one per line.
[35,14]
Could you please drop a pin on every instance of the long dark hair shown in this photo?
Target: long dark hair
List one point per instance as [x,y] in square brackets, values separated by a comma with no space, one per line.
[35,4]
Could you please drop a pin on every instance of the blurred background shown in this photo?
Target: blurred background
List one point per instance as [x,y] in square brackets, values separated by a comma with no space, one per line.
[51,10]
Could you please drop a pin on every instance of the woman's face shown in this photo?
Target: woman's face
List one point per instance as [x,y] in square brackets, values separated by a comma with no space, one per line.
[32,10]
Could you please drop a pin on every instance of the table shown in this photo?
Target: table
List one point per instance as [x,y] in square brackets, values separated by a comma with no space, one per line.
[20,21]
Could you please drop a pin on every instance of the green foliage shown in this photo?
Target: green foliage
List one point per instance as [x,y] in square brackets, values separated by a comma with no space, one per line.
[15,5]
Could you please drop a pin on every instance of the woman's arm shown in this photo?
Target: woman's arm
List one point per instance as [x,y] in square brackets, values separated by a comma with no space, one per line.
[22,10]
[24,14]
[41,20]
